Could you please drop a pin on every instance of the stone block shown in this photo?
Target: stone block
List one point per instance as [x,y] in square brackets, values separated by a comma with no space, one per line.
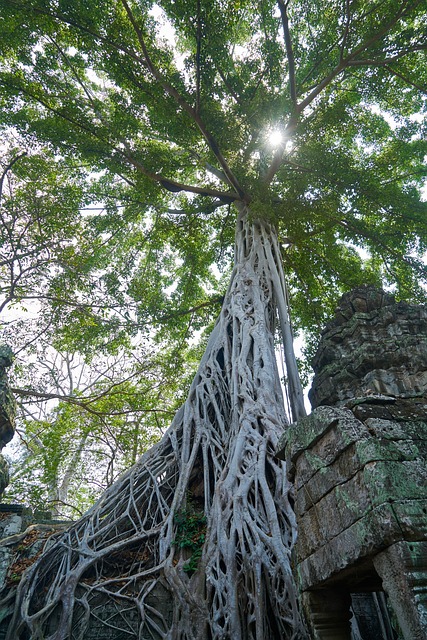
[7,400]
[364,538]
[319,439]
[12,525]
[124,621]
[367,349]
[392,430]
[361,481]
[4,474]
[391,481]
[329,613]
[377,483]
[398,409]
[351,460]
[412,518]
[334,513]
[403,569]
[307,431]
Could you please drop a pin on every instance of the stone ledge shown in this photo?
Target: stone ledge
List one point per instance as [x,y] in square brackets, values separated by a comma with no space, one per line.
[323,479]
[373,533]
[305,433]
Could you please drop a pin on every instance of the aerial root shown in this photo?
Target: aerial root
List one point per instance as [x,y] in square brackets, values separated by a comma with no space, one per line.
[214,475]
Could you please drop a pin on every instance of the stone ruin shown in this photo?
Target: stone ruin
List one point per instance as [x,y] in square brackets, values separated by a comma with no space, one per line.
[358,463]
[7,413]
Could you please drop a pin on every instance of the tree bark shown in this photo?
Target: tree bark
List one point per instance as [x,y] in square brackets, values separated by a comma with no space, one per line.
[213,478]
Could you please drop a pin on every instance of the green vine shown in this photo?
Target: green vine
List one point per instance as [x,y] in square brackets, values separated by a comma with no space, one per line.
[190,534]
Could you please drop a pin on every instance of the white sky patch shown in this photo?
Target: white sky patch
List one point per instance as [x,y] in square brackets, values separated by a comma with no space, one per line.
[299,343]
[391,121]
[166,30]
[167,33]
[239,52]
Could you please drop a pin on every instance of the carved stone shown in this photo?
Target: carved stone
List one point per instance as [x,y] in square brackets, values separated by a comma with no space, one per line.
[7,412]
[372,346]
[359,467]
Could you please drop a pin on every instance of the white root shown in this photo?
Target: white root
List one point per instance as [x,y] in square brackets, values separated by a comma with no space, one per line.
[217,458]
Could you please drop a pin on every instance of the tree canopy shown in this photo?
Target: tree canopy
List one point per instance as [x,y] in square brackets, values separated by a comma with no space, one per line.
[133,127]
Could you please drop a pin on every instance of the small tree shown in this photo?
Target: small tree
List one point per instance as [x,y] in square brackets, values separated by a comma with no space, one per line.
[61,308]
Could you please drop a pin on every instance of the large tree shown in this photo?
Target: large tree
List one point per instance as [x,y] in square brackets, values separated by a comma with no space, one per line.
[175,102]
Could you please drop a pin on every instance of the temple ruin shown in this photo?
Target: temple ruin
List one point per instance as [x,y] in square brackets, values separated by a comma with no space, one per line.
[358,463]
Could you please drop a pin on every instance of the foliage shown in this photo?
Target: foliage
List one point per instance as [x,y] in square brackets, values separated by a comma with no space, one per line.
[106,86]
[163,110]
[190,535]
[59,315]
[134,126]
[75,442]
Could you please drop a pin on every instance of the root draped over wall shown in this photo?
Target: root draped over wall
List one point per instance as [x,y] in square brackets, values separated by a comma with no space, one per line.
[216,460]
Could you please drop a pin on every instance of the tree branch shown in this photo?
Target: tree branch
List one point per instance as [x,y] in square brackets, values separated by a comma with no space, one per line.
[397,56]
[278,156]
[289,52]
[8,168]
[346,28]
[183,104]
[175,187]
[170,185]
[338,69]
[83,403]
[72,23]
[203,305]
[198,56]
[228,85]
[344,63]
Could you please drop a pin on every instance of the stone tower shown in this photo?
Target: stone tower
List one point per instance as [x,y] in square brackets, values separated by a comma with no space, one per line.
[359,464]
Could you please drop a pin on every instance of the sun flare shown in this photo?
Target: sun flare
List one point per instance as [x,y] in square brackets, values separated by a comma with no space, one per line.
[275,138]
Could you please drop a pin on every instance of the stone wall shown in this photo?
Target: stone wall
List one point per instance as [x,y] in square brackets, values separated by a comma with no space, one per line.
[359,465]
[22,540]
[372,346]
[7,412]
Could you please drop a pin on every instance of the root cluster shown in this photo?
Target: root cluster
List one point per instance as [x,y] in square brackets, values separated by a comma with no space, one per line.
[125,570]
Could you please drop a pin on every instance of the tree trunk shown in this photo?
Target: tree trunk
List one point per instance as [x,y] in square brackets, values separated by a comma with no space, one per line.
[193,542]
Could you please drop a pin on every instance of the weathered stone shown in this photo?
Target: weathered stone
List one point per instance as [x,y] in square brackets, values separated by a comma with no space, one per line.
[7,401]
[329,613]
[369,610]
[394,363]
[364,538]
[391,481]
[19,548]
[359,467]
[412,518]
[4,474]
[403,568]
[313,433]
[13,524]
[388,408]
[324,478]
[351,500]
[413,431]
[7,412]
[158,599]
